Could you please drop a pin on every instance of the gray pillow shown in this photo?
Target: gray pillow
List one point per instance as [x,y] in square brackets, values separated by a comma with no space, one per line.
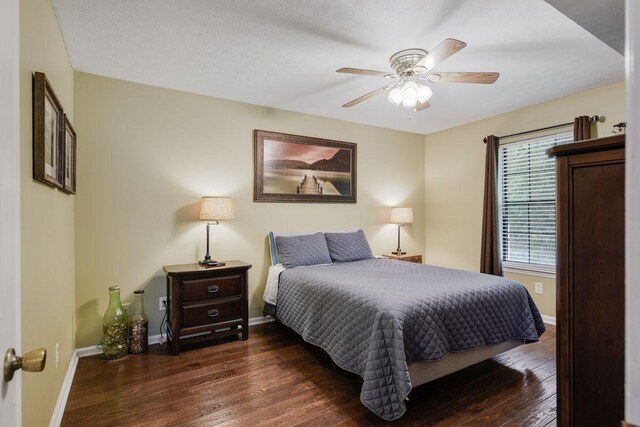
[306,249]
[347,247]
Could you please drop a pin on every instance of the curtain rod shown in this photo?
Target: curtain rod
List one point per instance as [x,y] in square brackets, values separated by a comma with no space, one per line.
[592,119]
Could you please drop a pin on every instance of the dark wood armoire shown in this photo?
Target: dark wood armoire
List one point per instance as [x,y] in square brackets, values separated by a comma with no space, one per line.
[590,281]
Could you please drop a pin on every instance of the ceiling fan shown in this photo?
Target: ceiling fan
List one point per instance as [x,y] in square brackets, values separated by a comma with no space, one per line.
[414,65]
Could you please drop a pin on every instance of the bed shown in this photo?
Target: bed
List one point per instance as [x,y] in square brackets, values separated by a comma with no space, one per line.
[397,324]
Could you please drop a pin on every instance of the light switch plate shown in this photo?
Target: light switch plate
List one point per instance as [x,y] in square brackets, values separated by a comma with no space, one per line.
[539,288]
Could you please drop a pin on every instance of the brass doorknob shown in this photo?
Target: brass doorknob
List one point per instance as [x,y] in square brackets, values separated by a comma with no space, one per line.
[34,361]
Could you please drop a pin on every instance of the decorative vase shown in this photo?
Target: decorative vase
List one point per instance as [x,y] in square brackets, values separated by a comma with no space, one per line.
[114,327]
[138,325]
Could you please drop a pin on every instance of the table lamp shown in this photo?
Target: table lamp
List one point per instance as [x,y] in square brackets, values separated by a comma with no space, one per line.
[401,216]
[213,210]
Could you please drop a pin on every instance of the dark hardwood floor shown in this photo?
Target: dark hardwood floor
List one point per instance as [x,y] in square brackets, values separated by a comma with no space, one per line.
[275,379]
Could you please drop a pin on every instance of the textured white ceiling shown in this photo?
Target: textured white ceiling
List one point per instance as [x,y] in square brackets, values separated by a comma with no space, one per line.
[284,53]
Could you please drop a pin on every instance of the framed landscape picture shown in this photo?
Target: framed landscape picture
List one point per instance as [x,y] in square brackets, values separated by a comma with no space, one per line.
[48,121]
[292,168]
[70,149]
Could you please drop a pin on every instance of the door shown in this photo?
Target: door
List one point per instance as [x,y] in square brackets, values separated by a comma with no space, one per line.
[633,213]
[10,392]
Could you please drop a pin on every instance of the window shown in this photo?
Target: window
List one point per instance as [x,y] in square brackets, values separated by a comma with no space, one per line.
[527,191]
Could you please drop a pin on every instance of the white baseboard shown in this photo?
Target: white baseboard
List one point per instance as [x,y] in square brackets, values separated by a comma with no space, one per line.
[157,339]
[58,412]
[549,319]
[88,351]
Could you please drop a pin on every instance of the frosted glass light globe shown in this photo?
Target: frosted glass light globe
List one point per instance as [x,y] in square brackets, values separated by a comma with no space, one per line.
[395,96]
[424,93]
[409,102]
[410,90]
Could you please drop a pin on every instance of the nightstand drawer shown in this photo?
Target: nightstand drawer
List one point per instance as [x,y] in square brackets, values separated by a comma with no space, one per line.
[213,311]
[211,287]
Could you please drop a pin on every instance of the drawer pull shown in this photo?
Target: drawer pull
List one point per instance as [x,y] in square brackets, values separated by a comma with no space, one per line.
[213,289]
[213,313]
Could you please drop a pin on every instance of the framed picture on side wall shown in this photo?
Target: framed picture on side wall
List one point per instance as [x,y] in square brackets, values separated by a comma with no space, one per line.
[293,168]
[48,121]
[70,149]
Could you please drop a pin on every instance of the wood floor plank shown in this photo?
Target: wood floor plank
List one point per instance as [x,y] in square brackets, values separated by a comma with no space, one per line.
[523,405]
[275,379]
[544,414]
[494,393]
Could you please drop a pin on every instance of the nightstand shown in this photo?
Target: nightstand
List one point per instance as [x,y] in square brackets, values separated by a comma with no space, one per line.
[206,303]
[407,257]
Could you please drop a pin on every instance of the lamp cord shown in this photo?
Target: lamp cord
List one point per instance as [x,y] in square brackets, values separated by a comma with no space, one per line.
[162,324]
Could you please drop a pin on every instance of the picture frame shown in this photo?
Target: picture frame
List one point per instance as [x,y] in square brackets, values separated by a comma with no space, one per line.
[48,121]
[294,168]
[70,156]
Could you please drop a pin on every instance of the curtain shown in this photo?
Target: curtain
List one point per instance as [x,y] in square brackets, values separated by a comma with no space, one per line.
[581,128]
[490,261]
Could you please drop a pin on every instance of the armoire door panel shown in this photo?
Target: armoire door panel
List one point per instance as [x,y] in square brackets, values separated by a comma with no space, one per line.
[597,244]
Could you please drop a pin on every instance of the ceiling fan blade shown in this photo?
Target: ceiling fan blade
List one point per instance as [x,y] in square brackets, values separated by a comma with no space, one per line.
[444,50]
[422,106]
[482,78]
[365,72]
[367,96]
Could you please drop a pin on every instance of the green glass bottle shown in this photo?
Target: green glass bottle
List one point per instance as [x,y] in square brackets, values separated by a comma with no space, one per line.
[115,326]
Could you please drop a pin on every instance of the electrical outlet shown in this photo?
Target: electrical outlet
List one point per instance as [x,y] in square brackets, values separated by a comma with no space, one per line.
[57,354]
[539,288]
[163,303]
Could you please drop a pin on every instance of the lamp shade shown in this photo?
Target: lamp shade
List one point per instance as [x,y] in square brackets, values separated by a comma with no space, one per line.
[216,209]
[401,216]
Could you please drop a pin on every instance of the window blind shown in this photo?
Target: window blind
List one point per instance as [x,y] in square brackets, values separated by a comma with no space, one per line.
[527,189]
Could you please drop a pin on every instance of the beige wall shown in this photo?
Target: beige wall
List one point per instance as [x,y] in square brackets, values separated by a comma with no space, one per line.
[47,230]
[147,155]
[454,177]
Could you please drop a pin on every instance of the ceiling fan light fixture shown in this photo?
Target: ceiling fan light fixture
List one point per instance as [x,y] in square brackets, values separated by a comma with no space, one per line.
[409,93]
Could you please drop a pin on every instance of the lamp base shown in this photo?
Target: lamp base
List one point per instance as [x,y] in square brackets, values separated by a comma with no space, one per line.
[211,263]
[399,253]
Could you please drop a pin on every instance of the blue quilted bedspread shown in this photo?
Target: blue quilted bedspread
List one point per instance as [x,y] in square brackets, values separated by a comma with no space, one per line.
[375,316]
